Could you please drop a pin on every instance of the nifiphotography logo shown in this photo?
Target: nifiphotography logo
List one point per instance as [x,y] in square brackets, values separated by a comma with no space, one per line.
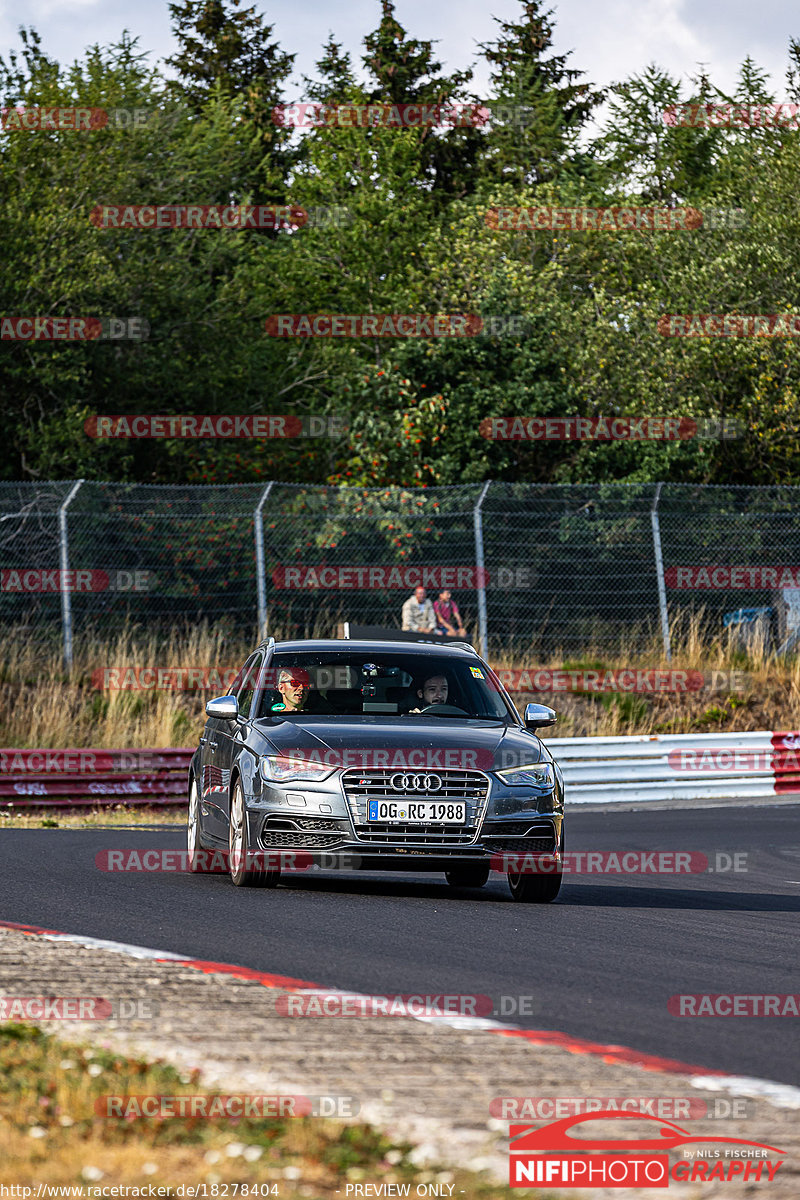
[634,1161]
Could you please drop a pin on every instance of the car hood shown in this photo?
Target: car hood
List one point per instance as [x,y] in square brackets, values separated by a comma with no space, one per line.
[437,742]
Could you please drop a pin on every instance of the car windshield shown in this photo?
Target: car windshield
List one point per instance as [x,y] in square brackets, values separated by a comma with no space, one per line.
[361,683]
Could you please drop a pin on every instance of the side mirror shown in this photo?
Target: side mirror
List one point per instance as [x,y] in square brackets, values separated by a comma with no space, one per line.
[537,715]
[225,707]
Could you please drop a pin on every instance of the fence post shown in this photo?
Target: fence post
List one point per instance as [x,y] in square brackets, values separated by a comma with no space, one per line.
[662,591]
[477,521]
[261,581]
[63,562]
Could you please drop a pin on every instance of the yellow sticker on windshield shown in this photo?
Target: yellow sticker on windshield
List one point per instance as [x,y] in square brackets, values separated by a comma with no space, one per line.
[476,671]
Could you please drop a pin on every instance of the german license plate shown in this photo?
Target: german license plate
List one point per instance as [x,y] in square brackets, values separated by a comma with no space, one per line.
[440,812]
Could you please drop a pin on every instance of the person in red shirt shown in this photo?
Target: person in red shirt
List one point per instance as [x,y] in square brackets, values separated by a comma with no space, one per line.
[448,618]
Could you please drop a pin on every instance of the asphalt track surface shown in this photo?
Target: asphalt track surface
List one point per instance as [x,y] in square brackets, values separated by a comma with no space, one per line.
[600,963]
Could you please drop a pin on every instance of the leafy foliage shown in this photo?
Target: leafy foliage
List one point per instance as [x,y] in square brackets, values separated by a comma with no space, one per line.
[400,221]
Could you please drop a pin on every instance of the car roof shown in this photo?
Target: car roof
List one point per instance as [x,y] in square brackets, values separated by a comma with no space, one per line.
[369,646]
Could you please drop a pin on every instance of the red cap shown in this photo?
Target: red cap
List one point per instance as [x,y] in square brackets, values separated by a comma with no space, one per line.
[296,675]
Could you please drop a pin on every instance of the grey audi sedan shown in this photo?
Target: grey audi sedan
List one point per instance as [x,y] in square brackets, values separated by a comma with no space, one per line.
[376,755]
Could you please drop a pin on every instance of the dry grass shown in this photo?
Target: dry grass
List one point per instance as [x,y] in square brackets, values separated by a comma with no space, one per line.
[40,706]
[50,1132]
[744,689]
[116,816]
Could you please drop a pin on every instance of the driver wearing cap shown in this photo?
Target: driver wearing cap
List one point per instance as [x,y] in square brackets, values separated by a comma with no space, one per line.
[294,684]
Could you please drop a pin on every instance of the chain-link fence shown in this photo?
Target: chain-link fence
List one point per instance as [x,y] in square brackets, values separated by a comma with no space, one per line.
[531,566]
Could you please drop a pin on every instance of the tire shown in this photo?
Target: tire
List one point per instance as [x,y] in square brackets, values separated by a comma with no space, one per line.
[468,875]
[243,874]
[536,889]
[198,855]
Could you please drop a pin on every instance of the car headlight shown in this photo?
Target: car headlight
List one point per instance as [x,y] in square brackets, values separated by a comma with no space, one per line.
[538,775]
[280,769]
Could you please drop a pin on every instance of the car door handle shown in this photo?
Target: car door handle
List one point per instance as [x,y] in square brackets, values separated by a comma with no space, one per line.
[208,742]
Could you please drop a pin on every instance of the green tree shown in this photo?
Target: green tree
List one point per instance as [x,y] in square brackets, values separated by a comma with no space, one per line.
[404,70]
[549,106]
[231,53]
[336,81]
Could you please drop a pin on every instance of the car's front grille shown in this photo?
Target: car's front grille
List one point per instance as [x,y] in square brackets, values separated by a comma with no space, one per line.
[526,828]
[300,839]
[521,845]
[375,784]
[303,823]
[308,833]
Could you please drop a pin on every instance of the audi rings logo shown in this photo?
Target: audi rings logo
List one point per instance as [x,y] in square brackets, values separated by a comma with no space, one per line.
[415,783]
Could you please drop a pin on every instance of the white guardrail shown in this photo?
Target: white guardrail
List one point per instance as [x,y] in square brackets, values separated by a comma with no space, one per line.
[692,766]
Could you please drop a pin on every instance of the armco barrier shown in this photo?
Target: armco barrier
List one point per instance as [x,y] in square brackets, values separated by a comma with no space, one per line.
[691,766]
[68,778]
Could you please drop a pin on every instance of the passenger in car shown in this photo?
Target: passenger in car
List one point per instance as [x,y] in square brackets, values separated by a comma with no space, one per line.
[434,690]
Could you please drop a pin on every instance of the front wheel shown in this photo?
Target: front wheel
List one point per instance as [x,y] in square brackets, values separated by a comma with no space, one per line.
[246,867]
[468,875]
[194,842]
[537,888]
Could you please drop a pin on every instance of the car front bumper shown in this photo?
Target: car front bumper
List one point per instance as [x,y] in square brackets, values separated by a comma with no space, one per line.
[320,820]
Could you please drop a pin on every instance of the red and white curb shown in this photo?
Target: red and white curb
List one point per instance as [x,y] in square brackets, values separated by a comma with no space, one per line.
[778,1094]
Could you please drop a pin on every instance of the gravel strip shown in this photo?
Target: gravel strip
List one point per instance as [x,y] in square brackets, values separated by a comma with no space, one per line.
[428,1083]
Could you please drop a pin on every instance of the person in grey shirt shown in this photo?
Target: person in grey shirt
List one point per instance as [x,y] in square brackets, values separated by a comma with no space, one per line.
[418,614]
